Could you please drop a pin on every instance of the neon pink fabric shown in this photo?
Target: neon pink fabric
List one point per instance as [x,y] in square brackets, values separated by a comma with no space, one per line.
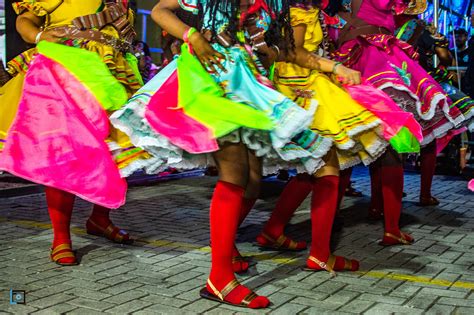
[170,121]
[386,109]
[58,137]
[471,185]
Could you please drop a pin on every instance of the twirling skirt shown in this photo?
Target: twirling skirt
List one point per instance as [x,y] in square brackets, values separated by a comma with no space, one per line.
[186,112]
[59,134]
[389,64]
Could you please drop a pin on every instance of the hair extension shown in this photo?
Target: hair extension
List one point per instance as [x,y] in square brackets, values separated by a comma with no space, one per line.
[228,10]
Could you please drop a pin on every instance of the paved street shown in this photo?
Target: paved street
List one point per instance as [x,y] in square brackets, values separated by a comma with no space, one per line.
[164,270]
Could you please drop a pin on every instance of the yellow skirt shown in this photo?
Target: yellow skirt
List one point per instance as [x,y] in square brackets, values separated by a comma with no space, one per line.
[355,131]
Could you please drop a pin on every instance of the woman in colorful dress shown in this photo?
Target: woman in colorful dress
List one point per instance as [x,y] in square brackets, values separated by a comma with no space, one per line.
[338,116]
[54,128]
[428,43]
[367,44]
[269,131]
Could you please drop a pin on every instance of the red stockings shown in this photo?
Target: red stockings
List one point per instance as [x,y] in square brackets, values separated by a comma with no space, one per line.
[226,208]
[60,205]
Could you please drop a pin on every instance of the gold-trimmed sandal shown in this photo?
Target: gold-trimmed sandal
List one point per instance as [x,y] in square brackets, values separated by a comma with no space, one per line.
[63,251]
[403,239]
[239,260]
[349,264]
[219,296]
[111,232]
[324,265]
[279,243]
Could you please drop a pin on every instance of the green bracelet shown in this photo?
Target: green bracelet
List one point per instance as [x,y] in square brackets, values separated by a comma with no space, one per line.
[335,66]
[188,34]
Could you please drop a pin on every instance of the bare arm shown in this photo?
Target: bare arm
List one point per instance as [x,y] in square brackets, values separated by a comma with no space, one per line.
[163,15]
[29,25]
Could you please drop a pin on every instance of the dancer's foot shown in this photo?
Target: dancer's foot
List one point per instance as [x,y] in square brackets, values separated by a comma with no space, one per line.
[107,229]
[428,201]
[352,192]
[240,264]
[63,255]
[234,293]
[332,264]
[281,243]
[375,214]
[399,238]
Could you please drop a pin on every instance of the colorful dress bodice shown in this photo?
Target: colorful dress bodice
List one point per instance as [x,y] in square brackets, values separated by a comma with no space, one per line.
[312,39]
[374,12]
[195,6]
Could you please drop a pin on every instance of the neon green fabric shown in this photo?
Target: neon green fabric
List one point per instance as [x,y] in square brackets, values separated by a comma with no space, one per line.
[133,62]
[405,142]
[88,68]
[203,99]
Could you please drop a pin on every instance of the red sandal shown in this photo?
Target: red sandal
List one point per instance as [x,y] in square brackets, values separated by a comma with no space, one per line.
[240,264]
[62,251]
[390,239]
[111,232]
[219,296]
[330,265]
[281,243]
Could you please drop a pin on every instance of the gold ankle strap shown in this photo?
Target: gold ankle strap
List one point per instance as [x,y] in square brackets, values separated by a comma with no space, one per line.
[401,238]
[324,265]
[227,289]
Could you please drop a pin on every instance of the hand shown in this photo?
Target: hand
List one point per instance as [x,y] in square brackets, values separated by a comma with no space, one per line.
[208,57]
[53,36]
[346,75]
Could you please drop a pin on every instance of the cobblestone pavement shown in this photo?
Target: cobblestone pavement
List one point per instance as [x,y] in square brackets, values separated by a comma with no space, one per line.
[164,270]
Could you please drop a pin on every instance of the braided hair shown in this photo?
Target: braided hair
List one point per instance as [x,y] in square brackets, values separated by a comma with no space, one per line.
[333,7]
[229,11]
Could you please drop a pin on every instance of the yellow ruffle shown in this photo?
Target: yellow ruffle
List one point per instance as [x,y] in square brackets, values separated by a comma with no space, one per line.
[36,7]
[41,8]
[303,16]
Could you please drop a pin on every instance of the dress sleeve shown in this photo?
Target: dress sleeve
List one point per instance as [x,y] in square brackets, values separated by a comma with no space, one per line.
[190,5]
[300,16]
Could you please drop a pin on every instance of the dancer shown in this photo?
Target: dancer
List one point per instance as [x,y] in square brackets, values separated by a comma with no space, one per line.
[366,44]
[428,43]
[54,128]
[230,111]
[308,27]
[355,131]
